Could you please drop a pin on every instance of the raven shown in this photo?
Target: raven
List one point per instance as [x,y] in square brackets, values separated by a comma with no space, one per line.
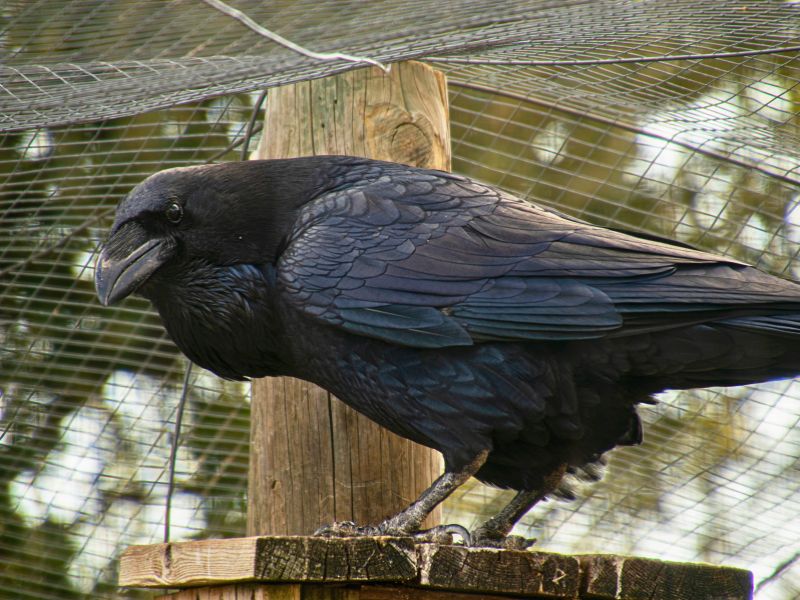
[515,340]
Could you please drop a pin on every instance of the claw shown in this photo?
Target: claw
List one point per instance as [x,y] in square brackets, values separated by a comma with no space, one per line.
[517,542]
[407,522]
[442,534]
[346,529]
[504,542]
[460,531]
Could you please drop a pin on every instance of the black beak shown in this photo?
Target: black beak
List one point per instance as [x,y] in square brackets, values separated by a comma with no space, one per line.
[128,259]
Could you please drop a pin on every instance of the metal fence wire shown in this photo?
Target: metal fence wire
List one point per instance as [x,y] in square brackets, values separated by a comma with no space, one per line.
[679,118]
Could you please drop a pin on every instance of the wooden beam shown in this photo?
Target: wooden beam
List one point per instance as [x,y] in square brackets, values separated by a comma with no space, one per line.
[302,591]
[442,572]
[313,460]
[269,559]
[631,578]
[526,574]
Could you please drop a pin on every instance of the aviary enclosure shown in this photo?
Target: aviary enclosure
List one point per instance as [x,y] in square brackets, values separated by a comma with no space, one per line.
[678,119]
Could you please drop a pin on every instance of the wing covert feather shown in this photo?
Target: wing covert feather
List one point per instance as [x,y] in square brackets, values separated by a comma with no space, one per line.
[429,259]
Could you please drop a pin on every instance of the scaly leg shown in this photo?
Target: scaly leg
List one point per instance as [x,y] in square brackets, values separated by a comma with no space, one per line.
[408,521]
[494,532]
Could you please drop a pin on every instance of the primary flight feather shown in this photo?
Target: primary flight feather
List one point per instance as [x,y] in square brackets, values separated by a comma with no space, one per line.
[515,340]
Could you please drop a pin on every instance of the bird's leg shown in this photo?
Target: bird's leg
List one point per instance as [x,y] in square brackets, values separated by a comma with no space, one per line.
[408,521]
[494,532]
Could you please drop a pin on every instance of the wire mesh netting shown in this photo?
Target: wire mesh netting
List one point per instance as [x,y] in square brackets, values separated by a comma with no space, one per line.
[677,118]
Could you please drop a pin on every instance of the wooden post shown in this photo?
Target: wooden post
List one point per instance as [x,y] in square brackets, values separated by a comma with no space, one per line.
[313,460]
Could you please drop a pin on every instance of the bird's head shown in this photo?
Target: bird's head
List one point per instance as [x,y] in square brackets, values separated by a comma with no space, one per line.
[216,215]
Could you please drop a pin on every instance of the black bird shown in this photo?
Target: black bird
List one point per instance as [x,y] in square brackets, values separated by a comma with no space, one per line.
[515,340]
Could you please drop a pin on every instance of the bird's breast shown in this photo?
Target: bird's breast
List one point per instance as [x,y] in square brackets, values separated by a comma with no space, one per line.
[225,319]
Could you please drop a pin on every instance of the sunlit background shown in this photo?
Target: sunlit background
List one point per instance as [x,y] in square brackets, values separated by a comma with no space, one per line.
[95,95]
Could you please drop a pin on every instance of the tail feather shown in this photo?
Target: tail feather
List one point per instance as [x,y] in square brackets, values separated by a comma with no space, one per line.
[786,325]
[734,351]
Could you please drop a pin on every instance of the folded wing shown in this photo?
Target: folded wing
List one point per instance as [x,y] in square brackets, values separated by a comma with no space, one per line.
[428,259]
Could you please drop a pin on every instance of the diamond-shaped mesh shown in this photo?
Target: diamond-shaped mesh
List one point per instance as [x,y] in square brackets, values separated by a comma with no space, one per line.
[678,118]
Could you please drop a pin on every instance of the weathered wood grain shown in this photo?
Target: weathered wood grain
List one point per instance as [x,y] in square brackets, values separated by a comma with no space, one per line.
[611,577]
[269,559]
[243,591]
[187,563]
[539,574]
[385,567]
[313,460]
[346,560]
[379,592]
[402,116]
[299,591]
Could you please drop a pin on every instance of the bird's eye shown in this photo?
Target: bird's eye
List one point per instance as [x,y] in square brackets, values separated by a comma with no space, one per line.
[174,213]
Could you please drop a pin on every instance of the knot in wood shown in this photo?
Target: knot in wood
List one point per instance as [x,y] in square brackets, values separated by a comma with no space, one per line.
[402,136]
[412,143]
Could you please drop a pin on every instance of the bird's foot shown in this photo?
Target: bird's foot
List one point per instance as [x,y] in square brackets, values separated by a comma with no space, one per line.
[486,538]
[347,529]
[443,534]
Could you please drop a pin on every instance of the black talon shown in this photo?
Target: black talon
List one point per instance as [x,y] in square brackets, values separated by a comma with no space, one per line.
[484,539]
[345,529]
[517,542]
[443,534]
[463,532]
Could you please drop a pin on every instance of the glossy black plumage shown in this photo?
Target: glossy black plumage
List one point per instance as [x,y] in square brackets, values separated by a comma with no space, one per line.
[448,311]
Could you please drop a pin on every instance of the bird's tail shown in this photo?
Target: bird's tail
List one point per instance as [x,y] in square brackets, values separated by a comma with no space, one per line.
[777,325]
[734,351]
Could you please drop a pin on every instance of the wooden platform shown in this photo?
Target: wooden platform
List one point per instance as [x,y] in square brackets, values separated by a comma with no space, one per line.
[382,568]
